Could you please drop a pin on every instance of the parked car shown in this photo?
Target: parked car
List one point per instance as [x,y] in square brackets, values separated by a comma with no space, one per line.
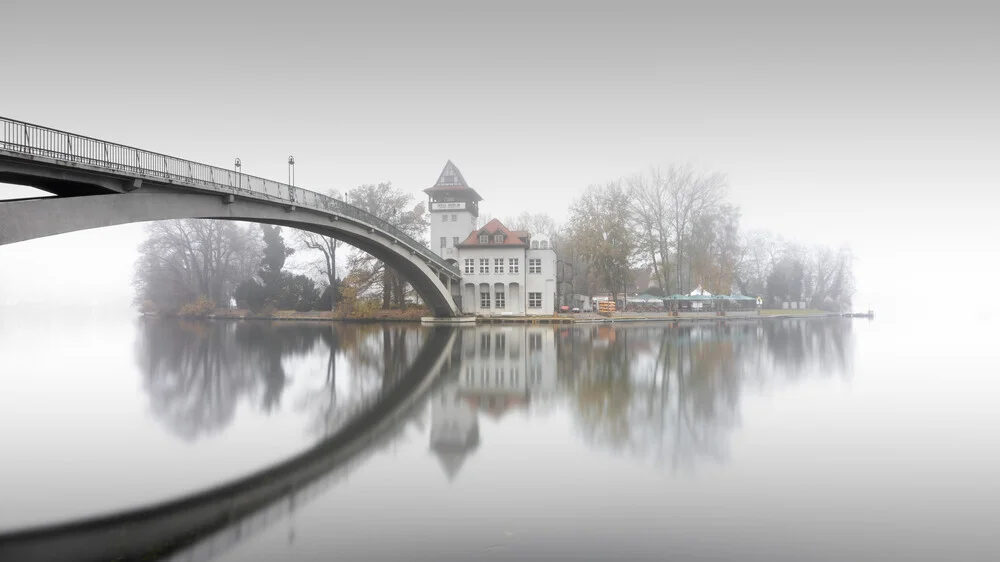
[576,309]
[564,308]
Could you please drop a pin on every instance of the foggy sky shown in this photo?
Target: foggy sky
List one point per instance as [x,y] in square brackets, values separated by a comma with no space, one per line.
[848,122]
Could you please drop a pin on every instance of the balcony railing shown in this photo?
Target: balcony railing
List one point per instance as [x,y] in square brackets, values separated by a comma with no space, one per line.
[35,140]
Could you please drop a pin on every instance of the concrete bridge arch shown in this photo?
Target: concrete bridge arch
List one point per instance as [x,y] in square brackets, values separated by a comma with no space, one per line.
[97,183]
[36,218]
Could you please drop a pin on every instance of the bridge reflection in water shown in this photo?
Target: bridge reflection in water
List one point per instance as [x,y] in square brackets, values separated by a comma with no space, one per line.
[669,393]
[159,530]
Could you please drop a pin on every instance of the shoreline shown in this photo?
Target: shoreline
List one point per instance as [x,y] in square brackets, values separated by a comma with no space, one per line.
[419,316]
[649,317]
[252,318]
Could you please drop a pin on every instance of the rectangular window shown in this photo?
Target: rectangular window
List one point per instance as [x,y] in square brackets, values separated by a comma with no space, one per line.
[501,343]
[514,375]
[484,299]
[484,238]
[499,376]
[515,267]
[470,377]
[454,218]
[534,300]
[444,218]
[484,376]
[484,266]
[501,301]
[470,266]
[444,241]
[484,346]
[534,342]
[497,265]
[534,265]
[454,241]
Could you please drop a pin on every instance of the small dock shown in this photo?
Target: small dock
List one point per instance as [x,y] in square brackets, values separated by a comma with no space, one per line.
[446,321]
[869,315]
[524,320]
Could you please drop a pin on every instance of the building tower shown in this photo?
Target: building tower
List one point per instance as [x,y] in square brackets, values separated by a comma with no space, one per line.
[454,208]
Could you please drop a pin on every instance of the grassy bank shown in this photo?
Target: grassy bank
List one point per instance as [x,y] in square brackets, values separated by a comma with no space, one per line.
[392,315]
[792,312]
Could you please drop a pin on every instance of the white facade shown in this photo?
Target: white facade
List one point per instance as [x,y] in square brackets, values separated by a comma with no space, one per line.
[507,366]
[515,285]
[451,223]
[545,281]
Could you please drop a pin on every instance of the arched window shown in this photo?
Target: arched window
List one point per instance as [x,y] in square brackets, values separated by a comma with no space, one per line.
[545,244]
[534,244]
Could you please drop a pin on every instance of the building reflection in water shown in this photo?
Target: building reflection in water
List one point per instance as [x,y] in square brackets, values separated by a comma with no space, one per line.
[671,392]
[501,368]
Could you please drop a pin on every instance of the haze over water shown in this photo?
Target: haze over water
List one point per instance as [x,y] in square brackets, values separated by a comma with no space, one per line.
[780,440]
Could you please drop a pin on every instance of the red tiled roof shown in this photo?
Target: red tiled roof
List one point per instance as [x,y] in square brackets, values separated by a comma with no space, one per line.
[493,228]
[502,403]
[451,180]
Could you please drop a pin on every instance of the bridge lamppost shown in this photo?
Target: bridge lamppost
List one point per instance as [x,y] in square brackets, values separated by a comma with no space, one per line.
[291,179]
[239,178]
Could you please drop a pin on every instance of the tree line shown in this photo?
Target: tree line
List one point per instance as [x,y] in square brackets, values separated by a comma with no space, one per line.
[677,225]
[192,266]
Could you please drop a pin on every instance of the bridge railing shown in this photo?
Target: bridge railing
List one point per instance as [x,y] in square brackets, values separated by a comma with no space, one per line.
[36,140]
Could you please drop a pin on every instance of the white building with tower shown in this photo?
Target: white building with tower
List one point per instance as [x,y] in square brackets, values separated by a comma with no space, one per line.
[504,272]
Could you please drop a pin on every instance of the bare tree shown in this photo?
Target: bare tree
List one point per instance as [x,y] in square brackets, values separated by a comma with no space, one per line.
[691,194]
[831,279]
[760,252]
[181,260]
[538,224]
[324,250]
[715,249]
[394,206]
[650,209]
[600,225]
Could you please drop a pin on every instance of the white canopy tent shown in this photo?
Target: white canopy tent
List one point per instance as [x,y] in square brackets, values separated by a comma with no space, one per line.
[699,292]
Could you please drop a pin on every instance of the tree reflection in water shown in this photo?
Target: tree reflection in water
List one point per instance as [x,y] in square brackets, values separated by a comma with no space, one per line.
[672,392]
[198,372]
[667,391]
[375,357]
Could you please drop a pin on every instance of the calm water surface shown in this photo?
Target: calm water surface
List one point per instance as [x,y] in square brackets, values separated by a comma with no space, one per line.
[776,440]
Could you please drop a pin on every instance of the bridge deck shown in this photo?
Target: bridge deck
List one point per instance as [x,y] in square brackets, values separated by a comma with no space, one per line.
[20,141]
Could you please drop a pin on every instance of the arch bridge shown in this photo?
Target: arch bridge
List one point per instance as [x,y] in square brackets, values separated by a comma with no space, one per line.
[99,183]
